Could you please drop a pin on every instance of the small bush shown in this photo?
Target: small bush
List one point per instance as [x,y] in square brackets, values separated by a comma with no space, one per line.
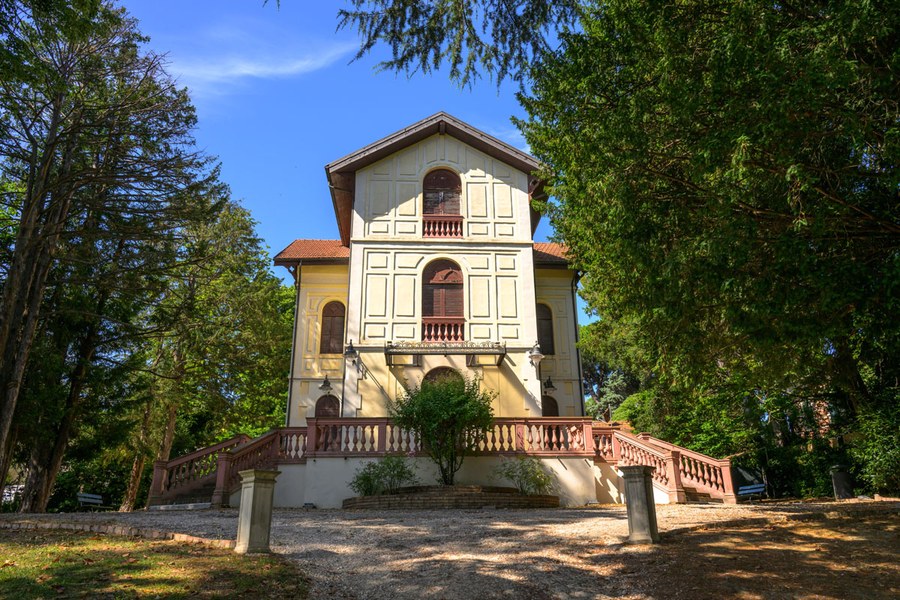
[526,475]
[395,472]
[384,476]
[367,480]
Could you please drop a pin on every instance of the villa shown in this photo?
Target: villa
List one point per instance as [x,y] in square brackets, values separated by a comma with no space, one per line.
[435,271]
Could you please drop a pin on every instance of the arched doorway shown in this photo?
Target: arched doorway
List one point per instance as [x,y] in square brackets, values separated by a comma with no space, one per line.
[328,407]
[442,374]
[550,407]
[328,436]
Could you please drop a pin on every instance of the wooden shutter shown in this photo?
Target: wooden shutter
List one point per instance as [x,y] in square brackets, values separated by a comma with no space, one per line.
[442,291]
[328,407]
[545,329]
[332,329]
[441,190]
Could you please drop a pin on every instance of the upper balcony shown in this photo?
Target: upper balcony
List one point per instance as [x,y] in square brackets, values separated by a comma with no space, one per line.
[442,226]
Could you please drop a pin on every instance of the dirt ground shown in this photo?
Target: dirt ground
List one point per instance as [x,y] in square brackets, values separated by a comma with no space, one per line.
[835,558]
[806,550]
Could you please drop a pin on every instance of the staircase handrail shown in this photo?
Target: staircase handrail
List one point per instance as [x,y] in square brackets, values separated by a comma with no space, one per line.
[707,474]
[182,472]
[241,438]
[633,450]
[263,451]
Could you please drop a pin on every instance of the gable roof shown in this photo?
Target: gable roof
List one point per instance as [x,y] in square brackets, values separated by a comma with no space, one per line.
[342,172]
[331,252]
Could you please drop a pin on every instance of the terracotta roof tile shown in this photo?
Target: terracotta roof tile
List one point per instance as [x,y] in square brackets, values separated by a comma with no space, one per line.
[331,251]
[314,251]
[549,253]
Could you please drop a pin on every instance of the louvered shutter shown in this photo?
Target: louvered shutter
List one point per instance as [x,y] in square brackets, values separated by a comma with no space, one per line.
[441,191]
[545,329]
[332,329]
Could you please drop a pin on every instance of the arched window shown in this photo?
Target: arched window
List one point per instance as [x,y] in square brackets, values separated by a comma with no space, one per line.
[440,210]
[441,190]
[545,329]
[441,374]
[328,407]
[442,302]
[550,407]
[332,329]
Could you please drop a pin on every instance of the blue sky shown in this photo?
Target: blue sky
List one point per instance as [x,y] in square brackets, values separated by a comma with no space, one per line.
[277,98]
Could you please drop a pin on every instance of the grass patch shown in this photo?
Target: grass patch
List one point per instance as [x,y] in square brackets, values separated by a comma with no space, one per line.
[69,564]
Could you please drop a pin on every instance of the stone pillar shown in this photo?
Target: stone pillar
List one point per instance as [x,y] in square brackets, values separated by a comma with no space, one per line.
[255,514]
[842,482]
[640,505]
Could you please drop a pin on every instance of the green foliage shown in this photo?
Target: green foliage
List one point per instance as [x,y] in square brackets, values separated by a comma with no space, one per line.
[726,175]
[387,475]
[449,416]
[498,37]
[878,447]
[526,474]
[367,480]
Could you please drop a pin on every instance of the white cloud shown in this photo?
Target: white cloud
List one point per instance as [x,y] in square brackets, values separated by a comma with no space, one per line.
[199,74]
[511,135]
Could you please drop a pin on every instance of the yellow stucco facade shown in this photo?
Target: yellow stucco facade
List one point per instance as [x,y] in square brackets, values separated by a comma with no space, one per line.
[377,274]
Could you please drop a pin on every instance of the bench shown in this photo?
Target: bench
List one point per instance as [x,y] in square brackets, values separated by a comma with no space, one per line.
[749,491]
[91,501]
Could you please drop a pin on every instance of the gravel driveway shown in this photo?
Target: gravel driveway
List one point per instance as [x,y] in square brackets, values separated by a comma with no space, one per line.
[467,554]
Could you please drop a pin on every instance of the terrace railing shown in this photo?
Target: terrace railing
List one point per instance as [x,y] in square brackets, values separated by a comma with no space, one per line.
[676,469]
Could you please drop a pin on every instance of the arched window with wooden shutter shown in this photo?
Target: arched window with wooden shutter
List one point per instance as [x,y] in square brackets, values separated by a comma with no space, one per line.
[442,302]
[545,329]
[441,191]
[332,329]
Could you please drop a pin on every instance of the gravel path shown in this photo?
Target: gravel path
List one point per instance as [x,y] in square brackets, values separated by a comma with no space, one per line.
[557,553]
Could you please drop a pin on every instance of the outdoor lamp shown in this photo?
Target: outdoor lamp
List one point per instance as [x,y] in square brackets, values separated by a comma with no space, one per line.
[326,385]
[350,352]
[548,385]
[536,355]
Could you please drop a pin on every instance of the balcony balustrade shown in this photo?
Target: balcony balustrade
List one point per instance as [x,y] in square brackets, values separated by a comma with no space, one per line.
[443,329]
[442,226]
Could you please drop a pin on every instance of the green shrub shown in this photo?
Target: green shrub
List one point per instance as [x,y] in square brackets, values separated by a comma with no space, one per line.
[450,416]
[367,480]
[384,476]
[395,473]
[526,475]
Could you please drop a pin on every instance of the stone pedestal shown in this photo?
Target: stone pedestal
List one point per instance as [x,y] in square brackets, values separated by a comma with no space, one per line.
[639,502]
[255,516]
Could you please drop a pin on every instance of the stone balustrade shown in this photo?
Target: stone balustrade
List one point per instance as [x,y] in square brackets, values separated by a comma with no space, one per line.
[674,467]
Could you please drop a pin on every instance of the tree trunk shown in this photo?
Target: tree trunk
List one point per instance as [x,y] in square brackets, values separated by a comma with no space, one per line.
[165,448]
[137,466]
[23,290]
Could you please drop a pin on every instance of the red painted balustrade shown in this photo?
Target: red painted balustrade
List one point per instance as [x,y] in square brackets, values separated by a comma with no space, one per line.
[703,473]
[443,329]
[221,464]
[189,472]
[442,226]
[675,468]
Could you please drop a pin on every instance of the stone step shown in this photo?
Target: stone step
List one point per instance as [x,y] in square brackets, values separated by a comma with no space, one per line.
[186,506]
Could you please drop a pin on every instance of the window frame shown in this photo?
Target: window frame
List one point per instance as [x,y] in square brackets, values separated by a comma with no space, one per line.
[329,335]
